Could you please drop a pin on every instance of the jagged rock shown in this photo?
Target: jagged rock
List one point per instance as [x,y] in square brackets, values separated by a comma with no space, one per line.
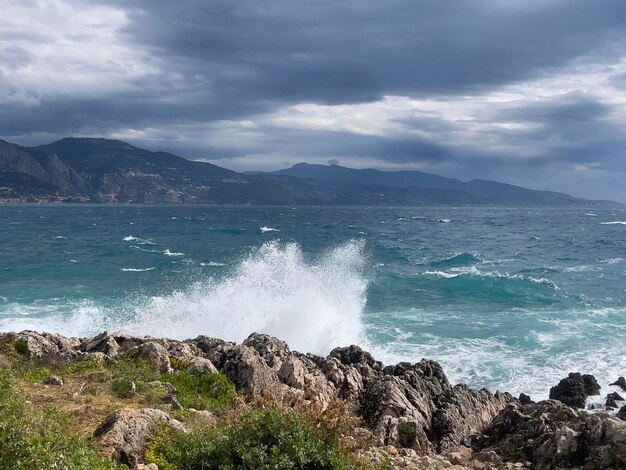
[201,365]
[272,350]
[110,344]
[462,411]
[620,382]
[244,367]
[50,348]
[525,399]
[352,355]
[150,466]
[122,436]
[611,403]
[615,396]
[53,380]
[551,435]
[180,351]
[154,354]
[213,349]
[458,455]
[621,414]
[574,389]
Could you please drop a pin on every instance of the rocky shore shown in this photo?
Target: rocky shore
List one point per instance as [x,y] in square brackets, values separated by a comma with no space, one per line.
[406,415]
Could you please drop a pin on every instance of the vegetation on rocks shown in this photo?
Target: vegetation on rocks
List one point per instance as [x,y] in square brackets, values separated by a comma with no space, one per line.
[266,438]
[36,438]
[205,403]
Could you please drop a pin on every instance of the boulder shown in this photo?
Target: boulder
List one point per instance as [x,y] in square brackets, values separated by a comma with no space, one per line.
[201,365]
[574,389]
[53,380]
[621,414]
[122,436]
[110,344]
[525,399]
[154,354]
[462,412]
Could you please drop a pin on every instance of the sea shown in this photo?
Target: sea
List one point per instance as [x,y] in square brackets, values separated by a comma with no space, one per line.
[506,298]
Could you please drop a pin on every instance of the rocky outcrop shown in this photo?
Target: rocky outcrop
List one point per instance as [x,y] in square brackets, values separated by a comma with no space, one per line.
[574,389]
[551,435]
[409,407]
[122,436]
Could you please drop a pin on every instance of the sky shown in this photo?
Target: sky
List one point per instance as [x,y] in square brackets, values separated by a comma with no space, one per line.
[527,92]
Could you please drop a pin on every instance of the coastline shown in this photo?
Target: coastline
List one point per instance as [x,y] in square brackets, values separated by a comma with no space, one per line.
[407,415]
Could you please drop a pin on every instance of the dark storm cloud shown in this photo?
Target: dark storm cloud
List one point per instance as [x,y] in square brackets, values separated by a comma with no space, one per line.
[203,63]
[573,127]
[337,52]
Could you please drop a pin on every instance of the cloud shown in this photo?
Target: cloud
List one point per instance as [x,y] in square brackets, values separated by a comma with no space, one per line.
[491,88]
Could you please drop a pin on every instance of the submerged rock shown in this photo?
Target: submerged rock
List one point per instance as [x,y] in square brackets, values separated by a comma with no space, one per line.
[574,389]
[620,382]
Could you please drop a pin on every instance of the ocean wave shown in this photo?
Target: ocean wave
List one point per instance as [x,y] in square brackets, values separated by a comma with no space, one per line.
[268,229]
[313,304]
[172,253]
[615,222]
[445,221]
[137,270]
[473,272]
[213,264]
[145,250]
[457,260]
[140,241]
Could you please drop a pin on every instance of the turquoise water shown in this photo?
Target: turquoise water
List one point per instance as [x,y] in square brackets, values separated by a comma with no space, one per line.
[505,298]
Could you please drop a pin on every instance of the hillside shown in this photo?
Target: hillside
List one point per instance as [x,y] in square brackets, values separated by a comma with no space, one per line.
[112,171]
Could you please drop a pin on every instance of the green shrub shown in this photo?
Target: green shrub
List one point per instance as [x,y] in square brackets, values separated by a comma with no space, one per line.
[124,388]
[259,439]
[33,439]
[203,391]
[21,346]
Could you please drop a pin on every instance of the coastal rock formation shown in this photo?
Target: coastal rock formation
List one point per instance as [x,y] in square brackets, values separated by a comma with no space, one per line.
[574,389]
[551,435]
[122,436]
[409,412]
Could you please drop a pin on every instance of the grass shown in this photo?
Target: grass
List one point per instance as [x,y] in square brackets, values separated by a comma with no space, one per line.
[263,439]
[44,426]
[36,438]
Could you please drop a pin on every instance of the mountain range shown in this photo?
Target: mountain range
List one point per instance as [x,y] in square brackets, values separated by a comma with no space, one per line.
[104,170]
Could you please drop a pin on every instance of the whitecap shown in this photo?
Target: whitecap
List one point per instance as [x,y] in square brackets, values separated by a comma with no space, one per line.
[213,264]
[616,222]
[268,229]
[141,241]
[445,221]
[172,253]
[137,270]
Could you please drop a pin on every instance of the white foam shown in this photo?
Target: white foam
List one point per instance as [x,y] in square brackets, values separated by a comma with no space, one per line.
[268,229]
[138,240]
[172,253]
[445,221]
[213,263]
[616,222]
[313,304]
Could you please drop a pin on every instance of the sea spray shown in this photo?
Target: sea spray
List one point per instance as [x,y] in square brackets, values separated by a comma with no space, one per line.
[314,306]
